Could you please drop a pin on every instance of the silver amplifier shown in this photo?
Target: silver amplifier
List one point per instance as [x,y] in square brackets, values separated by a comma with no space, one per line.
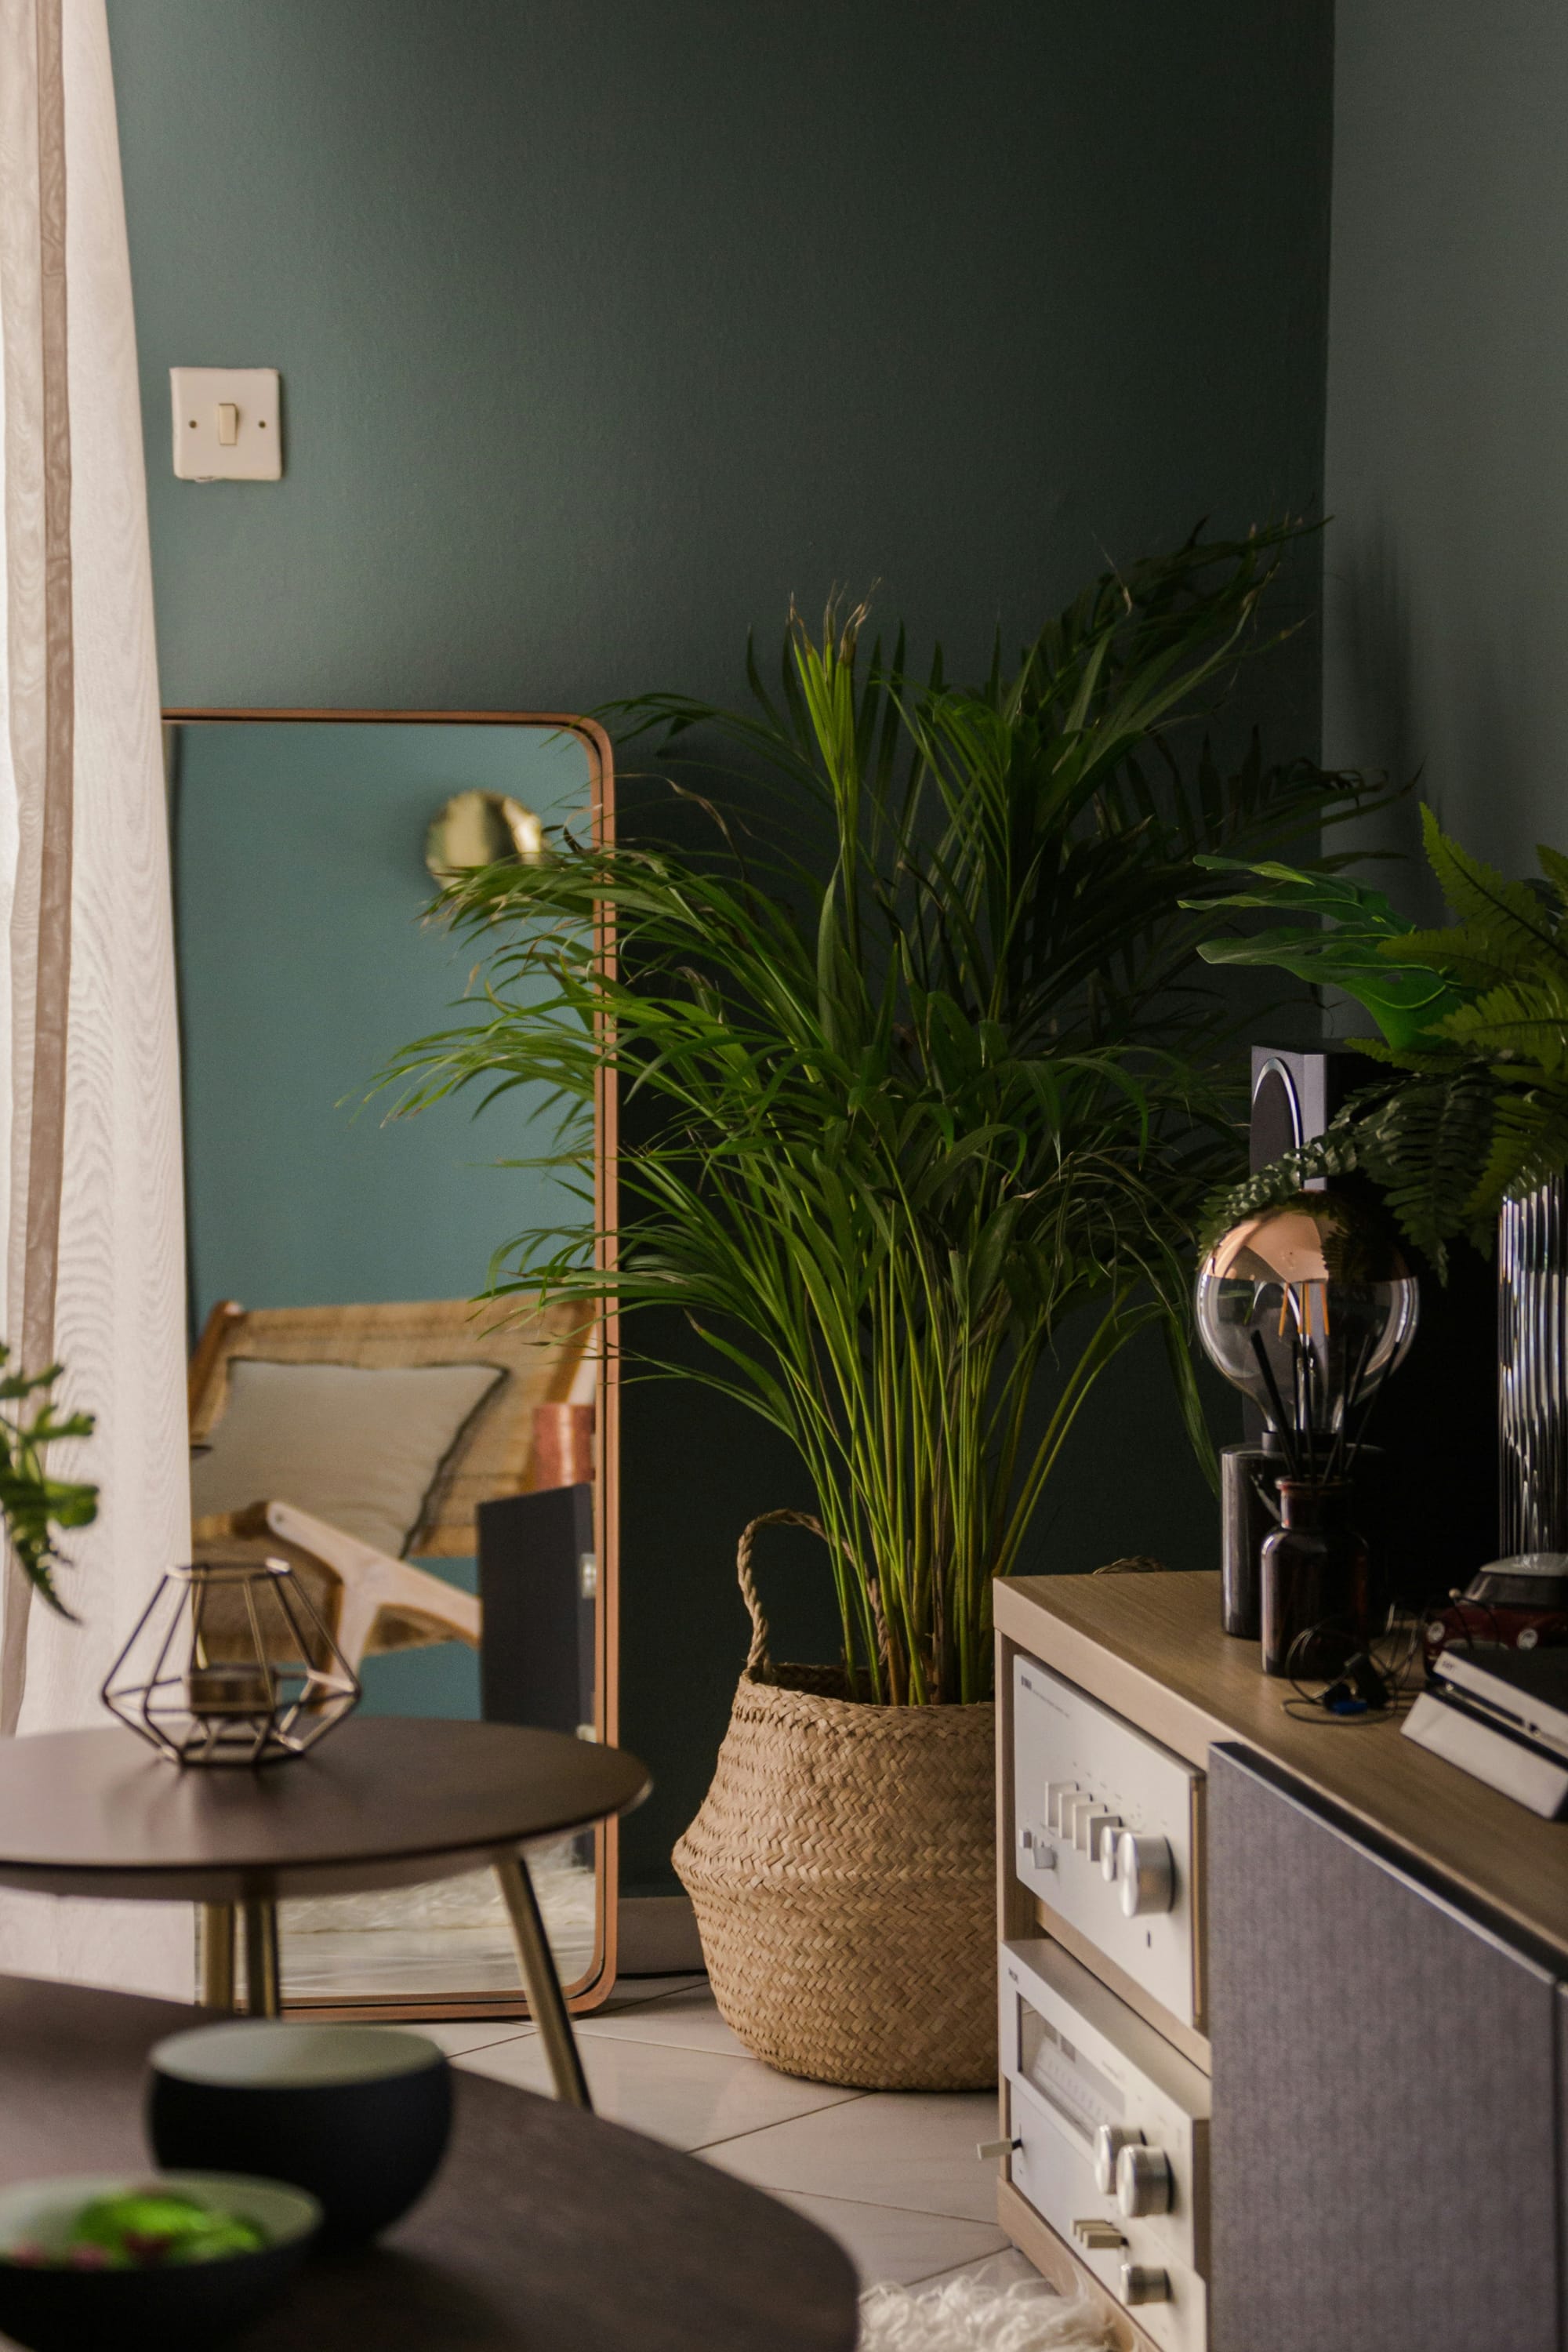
[1106,1833]
[1110,2139]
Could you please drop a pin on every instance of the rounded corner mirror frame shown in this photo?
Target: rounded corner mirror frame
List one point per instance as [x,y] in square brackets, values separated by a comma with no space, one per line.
[592,1990]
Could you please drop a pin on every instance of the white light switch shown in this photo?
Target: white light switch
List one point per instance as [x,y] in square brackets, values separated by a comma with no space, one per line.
[226,426]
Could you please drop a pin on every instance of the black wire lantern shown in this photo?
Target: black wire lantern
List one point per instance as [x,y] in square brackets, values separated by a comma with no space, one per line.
[230,1664]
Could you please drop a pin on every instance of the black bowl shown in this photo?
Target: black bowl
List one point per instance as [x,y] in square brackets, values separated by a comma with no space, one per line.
[146,2310]
[357,2115]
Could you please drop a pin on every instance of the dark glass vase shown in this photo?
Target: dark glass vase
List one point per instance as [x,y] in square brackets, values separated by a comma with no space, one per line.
[1316,1603]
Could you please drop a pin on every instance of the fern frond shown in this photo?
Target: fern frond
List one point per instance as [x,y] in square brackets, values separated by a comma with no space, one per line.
[1505,911]
[1422,1145]
[1521,1022]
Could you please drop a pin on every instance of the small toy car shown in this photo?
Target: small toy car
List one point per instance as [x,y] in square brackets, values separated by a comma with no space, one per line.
[1517,1603]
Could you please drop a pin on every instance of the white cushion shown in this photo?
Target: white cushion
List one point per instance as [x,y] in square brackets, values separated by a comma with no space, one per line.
[359,1446]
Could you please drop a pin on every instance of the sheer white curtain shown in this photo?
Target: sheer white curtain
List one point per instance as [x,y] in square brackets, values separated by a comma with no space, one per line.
[90,1210]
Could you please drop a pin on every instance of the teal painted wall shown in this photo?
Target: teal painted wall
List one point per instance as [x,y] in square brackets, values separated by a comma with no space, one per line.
[605,330]
[1448,451]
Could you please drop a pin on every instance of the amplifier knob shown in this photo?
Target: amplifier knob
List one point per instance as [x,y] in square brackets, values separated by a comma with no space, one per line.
[1141,2284]
[1109,2142]
[1143,2181]
[1144,1874]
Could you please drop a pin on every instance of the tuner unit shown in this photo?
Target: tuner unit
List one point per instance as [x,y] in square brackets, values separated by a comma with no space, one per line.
[1108,2137]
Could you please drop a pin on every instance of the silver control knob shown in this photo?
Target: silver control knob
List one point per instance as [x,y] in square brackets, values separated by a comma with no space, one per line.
[1144,1873]
[1143,2284]
[1143,2181]
[1109,2142]
[1107,1850]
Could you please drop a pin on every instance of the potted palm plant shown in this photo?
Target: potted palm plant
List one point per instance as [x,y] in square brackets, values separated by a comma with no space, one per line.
[922,1099]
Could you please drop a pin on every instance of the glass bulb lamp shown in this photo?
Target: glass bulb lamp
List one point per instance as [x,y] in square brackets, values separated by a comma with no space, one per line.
[1325,1297]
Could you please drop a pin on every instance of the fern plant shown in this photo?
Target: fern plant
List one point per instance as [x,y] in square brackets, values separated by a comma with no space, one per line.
[915,1074]
[1474,1015]
[32,1504]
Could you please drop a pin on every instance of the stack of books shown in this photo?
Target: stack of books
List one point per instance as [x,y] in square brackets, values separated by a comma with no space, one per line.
[1502,1715]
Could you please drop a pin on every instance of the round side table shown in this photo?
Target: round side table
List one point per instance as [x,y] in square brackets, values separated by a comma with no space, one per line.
[384,1801]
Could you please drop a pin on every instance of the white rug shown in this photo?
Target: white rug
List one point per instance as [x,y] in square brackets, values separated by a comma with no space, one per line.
[968,2315]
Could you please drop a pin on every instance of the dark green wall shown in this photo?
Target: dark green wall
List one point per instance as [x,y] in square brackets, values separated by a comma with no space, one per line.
[604,330]
[1448,455]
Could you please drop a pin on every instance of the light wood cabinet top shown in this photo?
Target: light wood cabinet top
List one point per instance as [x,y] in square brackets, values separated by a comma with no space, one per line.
[1150,1647]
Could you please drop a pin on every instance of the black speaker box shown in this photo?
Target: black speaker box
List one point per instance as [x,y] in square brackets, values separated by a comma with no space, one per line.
[1428,1498]
[538,1582]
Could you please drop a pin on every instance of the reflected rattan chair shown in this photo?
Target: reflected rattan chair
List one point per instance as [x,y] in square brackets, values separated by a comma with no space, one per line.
[369,1600]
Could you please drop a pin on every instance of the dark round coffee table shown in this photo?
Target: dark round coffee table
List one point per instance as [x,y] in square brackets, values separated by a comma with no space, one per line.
[546,2230]
[384,1801]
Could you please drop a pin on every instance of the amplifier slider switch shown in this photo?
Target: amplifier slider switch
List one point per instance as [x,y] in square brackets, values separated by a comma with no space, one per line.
[1100,2237]
[1096,1833]
[1056,1794]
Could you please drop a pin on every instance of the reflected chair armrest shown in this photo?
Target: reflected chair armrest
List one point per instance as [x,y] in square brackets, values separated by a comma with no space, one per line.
[414,1605]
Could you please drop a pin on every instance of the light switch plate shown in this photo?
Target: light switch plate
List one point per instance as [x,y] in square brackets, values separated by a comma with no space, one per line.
[256,452]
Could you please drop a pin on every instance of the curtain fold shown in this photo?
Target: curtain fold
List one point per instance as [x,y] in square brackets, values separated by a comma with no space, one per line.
[90,1131]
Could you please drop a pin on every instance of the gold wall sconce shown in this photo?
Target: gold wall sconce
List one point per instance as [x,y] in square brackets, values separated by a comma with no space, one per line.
[480,828]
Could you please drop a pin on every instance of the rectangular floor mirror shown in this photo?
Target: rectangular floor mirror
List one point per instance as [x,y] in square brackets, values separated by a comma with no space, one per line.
[441,1473]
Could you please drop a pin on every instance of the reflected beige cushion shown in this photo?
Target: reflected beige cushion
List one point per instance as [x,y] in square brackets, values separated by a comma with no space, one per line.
[358,1446]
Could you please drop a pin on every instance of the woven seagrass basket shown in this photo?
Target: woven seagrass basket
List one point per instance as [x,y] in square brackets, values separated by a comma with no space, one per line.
[843,1873]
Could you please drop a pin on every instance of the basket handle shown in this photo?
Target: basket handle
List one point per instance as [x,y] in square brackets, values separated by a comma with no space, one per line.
[759,1665]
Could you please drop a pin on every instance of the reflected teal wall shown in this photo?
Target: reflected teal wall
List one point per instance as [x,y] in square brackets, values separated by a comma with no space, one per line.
[304,964]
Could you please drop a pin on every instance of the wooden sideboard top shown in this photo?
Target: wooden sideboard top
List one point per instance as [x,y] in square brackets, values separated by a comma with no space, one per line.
[1150,1646]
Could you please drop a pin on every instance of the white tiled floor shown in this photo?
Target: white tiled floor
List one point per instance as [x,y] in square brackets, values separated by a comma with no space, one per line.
[893,2176]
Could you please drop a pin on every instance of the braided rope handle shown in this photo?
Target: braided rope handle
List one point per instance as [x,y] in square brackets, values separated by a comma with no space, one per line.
[759,1665]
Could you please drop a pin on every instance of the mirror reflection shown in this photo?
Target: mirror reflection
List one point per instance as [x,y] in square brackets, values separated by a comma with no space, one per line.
[434,1471]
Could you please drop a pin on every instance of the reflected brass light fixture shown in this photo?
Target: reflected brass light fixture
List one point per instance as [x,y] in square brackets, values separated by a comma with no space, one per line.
[480,828]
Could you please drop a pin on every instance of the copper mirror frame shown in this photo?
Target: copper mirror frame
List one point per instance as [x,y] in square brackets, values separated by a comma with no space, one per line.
[592,1988]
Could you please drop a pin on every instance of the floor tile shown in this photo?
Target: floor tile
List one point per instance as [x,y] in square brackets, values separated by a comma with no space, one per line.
[913,2149]
[687,2097]
[634,1992]
[889,2246]
[687,2019]
[998,2272]
[457,2034]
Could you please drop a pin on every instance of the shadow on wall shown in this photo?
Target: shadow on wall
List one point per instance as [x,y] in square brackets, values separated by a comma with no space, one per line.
[1449,719]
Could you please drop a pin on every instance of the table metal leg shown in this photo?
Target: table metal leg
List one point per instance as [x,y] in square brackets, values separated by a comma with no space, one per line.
[540,1982]
[261,1978]
[217,1956]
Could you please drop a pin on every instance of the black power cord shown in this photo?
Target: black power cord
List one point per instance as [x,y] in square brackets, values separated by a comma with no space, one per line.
[1374,1682]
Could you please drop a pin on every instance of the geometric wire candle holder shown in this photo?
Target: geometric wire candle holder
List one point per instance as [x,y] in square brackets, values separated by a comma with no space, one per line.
[230,1664]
